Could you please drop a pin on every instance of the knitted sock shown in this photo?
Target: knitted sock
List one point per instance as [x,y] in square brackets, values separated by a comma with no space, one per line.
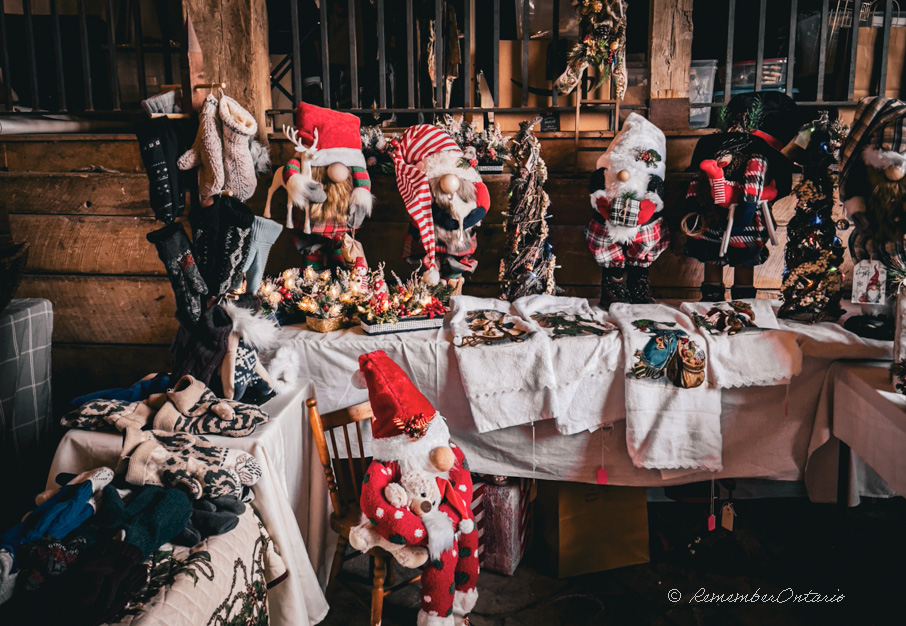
[264,234]
[232,247]
[187,462]
[191,407]
[207,151]
[158,145]
[166,102]
[199,351]
[239,167]
[175,251]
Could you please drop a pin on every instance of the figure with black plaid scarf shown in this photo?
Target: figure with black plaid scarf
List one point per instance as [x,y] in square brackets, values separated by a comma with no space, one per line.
[626,233]
[741,171]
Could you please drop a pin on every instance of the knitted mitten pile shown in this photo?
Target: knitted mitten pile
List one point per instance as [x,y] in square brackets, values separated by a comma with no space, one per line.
[188,407]
[187,462]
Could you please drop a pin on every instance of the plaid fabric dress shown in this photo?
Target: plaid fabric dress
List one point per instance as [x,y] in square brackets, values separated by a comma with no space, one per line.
[650,240]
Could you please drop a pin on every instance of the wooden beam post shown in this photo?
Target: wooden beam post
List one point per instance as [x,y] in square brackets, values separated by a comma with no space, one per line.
[232,36]
[669,57]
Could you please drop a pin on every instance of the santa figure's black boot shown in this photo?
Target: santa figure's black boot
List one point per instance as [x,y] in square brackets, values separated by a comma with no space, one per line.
[613,286]
[639,288]
[712,292]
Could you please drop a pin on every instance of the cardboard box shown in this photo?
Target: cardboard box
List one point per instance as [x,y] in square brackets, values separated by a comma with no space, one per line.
[591,528]
[507,519]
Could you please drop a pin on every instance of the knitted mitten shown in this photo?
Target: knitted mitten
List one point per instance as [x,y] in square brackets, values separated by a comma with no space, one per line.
[187,462]
[232,247]
[210,517]
[199,351]
[238,163]
[207,151]
[166,102]
[264,233]
[205,221]
[158,145]
[157,518]
[48,558]
[108,415]
[175,251]
[191,407]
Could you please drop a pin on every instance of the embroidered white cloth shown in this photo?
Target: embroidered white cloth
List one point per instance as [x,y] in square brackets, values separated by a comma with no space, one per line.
[667,426]
[505,363]
[585,351]
[744,344]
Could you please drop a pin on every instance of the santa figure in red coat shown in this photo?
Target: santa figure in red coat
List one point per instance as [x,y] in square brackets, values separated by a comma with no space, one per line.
[411,438]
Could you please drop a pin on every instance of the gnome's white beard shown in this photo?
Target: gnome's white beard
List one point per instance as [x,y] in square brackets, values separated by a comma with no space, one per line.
[440,532]
[622,234]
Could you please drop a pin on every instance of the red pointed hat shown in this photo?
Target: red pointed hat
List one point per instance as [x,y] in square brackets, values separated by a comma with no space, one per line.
[404,428]
[339,138]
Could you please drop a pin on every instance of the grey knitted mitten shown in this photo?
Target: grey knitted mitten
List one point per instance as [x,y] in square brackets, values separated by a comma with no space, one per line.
[264,233]
[207,151]
[239,166]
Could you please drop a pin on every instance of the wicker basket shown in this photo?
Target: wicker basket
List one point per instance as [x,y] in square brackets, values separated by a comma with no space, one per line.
[323,325]
[12,266]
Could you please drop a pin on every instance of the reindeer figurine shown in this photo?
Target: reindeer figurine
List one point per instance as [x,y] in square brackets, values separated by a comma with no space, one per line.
[301,189]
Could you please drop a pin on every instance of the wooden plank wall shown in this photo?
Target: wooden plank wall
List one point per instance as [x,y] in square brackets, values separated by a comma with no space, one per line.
[112,301]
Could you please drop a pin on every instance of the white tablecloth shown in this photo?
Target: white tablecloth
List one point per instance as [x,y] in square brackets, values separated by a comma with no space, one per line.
[290,497]
[767,431]
[870,417]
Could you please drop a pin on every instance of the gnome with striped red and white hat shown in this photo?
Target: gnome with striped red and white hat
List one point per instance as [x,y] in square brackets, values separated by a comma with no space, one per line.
[410,439]
[446,200]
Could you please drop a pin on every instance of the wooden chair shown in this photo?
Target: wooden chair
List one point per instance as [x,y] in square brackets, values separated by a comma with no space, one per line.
[344,480]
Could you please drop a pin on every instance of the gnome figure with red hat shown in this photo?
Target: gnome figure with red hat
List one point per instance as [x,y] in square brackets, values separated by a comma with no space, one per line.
[410,438]
[445,199]
[338,165]
[740,173]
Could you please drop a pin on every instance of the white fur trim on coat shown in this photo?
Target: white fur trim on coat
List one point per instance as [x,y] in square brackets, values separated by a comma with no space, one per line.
[413,455]
[350,157]
[423,619]
[622,234]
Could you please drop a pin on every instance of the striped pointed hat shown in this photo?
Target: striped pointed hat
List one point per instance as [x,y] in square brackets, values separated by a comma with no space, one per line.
[438,154]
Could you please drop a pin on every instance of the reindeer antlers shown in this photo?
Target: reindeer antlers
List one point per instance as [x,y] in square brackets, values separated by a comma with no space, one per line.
[293,135]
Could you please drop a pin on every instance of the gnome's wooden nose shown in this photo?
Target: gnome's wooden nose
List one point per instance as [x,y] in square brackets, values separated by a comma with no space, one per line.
[426,506]
[894,172]
[442,458]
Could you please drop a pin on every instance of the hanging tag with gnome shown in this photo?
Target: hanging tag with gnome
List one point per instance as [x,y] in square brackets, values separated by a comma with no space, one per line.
[869,283]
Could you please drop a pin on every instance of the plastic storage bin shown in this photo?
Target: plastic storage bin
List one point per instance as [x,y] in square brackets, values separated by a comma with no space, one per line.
[742,77]
[701,90]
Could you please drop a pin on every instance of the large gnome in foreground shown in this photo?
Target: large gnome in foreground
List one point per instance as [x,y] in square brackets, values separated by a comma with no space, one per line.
[446,200]
[339,165]
[626,233]
[411,445]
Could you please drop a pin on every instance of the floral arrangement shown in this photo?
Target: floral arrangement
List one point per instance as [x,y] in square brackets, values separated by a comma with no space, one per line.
[408,299]
[603,46]
[484,147]
[377,148]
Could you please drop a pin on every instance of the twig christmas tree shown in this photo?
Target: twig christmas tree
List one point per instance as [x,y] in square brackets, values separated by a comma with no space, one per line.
[813,280]
[528,264]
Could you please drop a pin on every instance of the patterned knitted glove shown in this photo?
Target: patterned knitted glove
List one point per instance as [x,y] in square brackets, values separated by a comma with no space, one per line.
[191,407]
[187,462]
[175,251]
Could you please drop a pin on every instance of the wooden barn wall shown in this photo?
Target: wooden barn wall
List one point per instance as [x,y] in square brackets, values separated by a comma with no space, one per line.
[113,305]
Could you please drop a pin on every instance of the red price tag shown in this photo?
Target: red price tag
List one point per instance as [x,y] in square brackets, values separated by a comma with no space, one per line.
[712,522]
[601,476]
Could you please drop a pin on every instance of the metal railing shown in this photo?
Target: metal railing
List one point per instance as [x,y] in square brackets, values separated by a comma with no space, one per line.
[836,38]
[379,90]
[106,43]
